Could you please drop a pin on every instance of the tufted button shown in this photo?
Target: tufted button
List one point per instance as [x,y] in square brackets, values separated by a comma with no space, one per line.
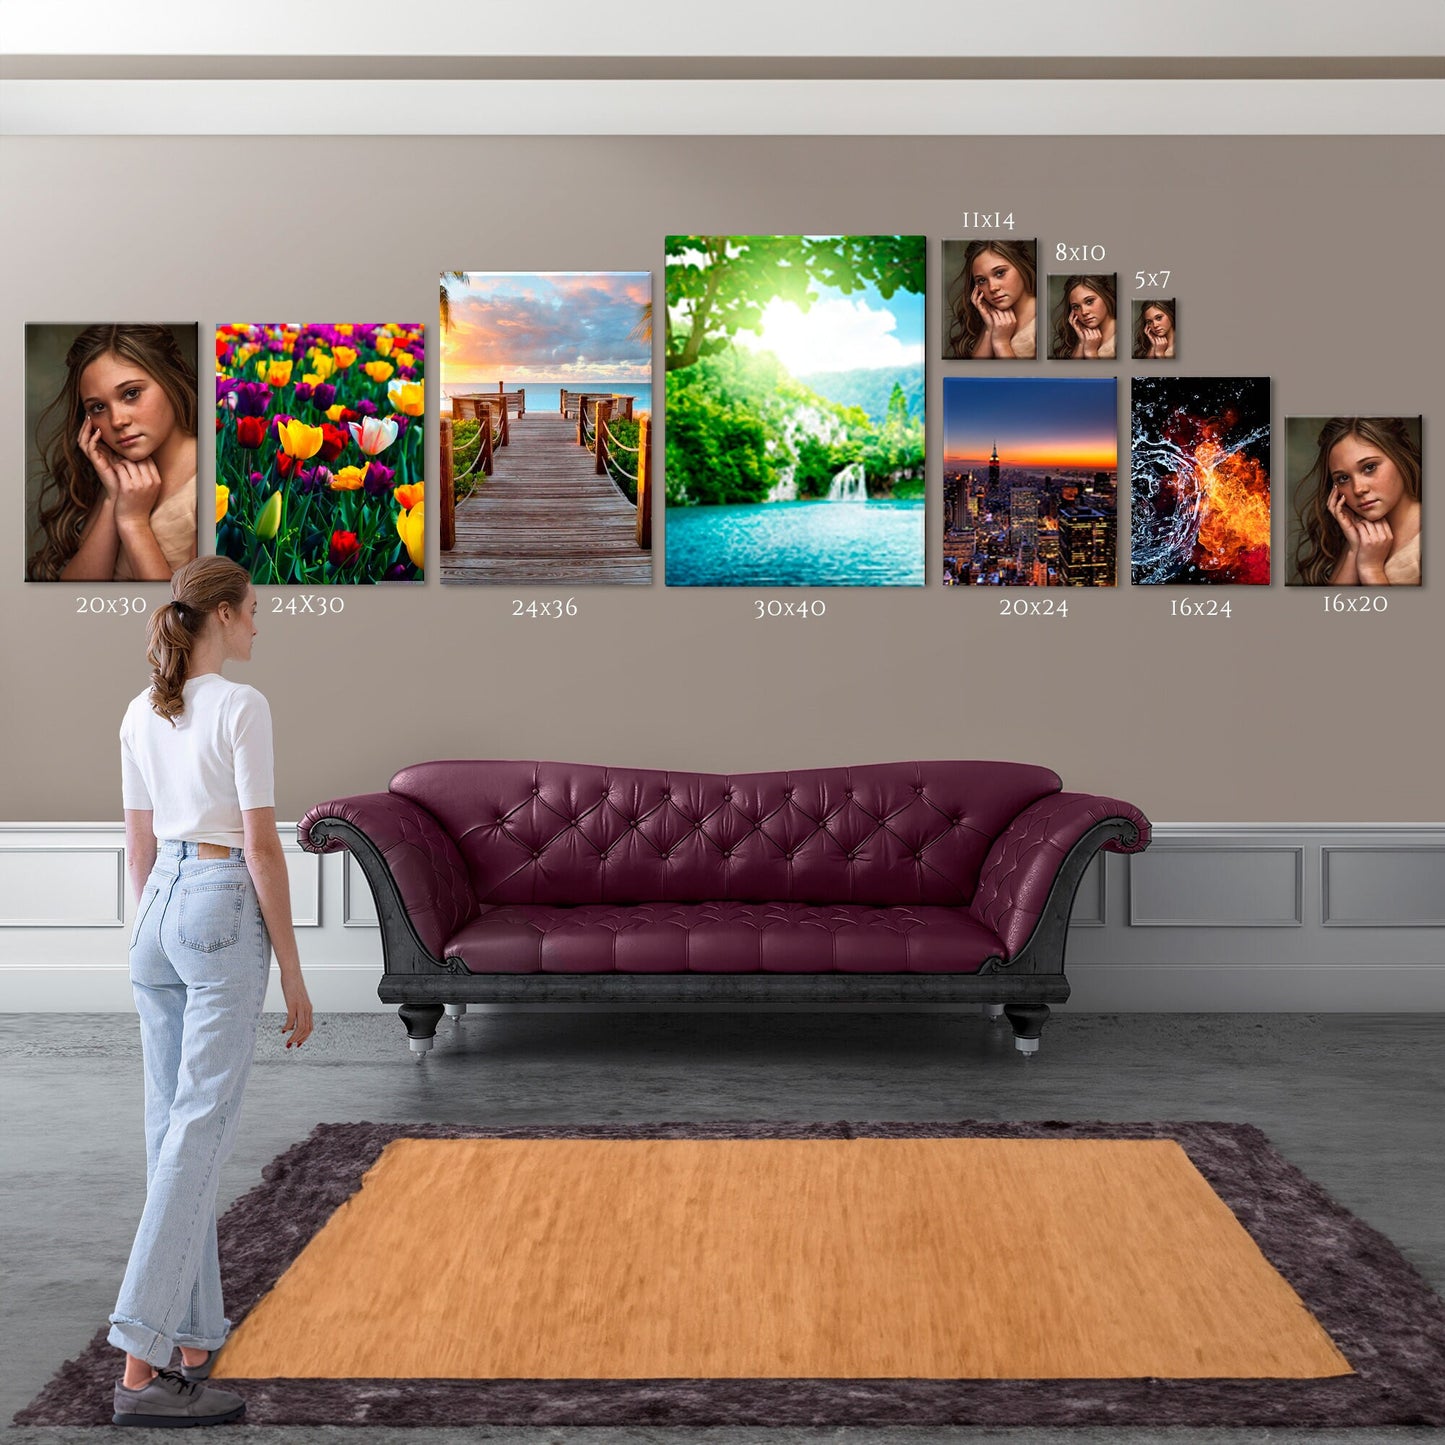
[918,857]
[958,822]
[727,852]
[535,856]
[664,856]
[787,792]
[667,793]
[852,857]
[919,791]
[535,791]
[848,792]
[788,856]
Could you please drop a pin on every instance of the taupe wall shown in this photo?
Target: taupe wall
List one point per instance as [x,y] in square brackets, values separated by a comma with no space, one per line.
[1312,261]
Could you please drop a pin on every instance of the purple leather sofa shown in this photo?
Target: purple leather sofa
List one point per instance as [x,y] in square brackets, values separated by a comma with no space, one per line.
[921,882]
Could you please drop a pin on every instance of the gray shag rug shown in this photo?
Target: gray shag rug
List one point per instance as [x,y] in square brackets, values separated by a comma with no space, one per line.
[1381,1314]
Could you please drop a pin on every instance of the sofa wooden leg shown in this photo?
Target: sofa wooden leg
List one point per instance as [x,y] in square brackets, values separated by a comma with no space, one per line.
[1028,1020]
[421,1025]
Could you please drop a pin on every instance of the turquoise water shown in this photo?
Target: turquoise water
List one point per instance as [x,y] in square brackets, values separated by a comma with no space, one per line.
[797,544]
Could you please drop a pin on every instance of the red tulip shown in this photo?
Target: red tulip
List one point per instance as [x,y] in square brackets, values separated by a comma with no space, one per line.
[344,548]
[333,442]
[250,431]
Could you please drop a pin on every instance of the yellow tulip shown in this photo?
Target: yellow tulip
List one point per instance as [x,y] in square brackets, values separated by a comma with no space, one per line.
[344,356]
[383,345]
[299,440]
[346,328]
[263,366]
[407,397]
[378,370]
[348,479]
[311,378]
[322,364]
[333,413]
[223,497]
[404,358]
[279,373]
[408,496]
[268,523]
[411,528]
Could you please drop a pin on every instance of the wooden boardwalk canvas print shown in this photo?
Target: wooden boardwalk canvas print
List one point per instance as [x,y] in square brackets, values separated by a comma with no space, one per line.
[546,463]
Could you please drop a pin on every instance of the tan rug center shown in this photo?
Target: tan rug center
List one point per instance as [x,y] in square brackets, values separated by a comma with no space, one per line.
[758,1258]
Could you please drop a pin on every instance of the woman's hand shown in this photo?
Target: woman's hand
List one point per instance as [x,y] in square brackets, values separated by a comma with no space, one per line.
[138,488]
[1091,338]
[100,457]
[298,1008]
[1000,326]
[1158,342]
[1376,539]
[1345,519]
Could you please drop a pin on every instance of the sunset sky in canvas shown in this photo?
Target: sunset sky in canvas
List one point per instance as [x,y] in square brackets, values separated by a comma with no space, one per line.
[1035,422]
[566,327]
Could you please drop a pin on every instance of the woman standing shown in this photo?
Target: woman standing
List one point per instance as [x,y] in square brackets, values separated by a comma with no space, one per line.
[213,900]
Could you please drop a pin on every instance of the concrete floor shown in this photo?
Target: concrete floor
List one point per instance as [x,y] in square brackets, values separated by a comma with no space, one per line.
[1354,1101]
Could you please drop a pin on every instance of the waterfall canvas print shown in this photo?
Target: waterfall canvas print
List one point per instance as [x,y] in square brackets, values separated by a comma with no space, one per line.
[1199,468]
[794,390]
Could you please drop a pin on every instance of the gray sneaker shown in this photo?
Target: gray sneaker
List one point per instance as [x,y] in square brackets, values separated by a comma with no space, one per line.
[171,1400]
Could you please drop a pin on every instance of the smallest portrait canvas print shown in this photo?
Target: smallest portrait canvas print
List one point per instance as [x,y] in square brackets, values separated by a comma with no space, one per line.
[1082,317]
[110,437]
[1156,328]
[990,300]
[1355,503]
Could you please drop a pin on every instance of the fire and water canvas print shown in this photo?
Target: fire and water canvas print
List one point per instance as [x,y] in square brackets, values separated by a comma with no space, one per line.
[319,450]
[1200,476]
[1030,481]
[547,385]
[795,410]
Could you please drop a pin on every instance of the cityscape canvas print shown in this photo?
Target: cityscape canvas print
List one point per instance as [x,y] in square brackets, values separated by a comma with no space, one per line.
[1199,472]
[795,374]
[319,451]
[1030,482]
[547,380]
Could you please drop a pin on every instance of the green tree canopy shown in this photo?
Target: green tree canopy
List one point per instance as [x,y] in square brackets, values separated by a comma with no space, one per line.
[720,285]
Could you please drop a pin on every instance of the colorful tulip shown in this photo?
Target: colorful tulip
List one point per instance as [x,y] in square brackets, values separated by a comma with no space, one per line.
[378,370]
[268,522]
[323,396]
[364,407]
[374,434]
[278,373]
[404,358]
[299,440]
[335,412]
[322,364]
[344,548]
[344,357]
[407,397]
[251,398]
[333,442]
[411,528]
[223,497]
[409,496]
[384,344]
[250,431]
[379,478]
[348,479]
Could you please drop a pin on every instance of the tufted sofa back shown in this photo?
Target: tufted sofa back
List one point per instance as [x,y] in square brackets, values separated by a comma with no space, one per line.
[562,833]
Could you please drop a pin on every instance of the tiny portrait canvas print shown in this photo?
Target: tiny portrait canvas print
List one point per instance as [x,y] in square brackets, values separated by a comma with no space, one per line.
[110,437]
[794,453]
[1355,503]
[1030,481]
[319,452]
[1082,320]
[990,300]
[547,451]
[1156,325]
[1199,471]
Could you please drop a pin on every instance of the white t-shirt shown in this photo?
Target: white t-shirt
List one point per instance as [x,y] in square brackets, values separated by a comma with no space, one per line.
[197,776]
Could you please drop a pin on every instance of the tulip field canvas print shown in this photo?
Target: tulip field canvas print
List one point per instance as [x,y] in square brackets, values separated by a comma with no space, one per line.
[795,406]
[319,451]
[546,447]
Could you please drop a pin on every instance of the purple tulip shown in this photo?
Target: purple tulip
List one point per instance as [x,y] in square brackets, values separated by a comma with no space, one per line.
[251,398]
[365,407]
[323,396]
[400,572]
[303,391]
[379,479]
[257,478]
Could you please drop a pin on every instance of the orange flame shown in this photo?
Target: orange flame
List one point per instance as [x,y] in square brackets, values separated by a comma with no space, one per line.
[1234,515]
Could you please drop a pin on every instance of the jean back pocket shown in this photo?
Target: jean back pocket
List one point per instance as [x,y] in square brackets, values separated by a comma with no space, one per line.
[210,915]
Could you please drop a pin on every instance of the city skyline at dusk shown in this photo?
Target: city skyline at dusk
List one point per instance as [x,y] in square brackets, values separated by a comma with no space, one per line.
[1035,423]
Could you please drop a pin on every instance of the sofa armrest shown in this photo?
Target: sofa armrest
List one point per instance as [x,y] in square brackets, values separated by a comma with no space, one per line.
[410,860]
[1017,881]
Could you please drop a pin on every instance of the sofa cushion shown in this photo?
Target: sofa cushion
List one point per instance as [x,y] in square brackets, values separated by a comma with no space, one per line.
[723,937]
[570,833]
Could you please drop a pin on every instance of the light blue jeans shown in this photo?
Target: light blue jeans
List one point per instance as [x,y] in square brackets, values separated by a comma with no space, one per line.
[199,959]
